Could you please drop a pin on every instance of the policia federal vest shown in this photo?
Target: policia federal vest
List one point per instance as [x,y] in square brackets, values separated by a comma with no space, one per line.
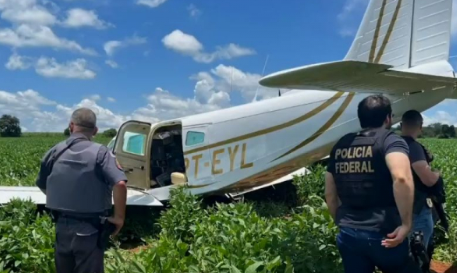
[364,183]
[75,184]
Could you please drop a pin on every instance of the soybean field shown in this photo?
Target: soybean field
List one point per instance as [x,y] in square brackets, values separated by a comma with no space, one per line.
[283,229]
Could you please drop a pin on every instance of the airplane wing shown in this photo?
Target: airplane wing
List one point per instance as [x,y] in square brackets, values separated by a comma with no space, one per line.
[356,76]
[134,197]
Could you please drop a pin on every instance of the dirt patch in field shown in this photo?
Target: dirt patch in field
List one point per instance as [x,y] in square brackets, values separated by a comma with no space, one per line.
[138,249]
[439,267]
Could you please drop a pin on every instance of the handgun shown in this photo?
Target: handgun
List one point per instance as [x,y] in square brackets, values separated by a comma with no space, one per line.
[106,229]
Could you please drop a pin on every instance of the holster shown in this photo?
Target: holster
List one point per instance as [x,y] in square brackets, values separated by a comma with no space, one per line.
[442,215]
[419,252]
[106,228]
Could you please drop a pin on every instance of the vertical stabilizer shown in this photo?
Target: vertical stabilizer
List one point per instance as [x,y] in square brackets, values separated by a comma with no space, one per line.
[431,39]
[403,33]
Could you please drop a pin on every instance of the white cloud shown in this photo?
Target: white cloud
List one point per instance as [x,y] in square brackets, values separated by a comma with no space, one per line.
[77,69]
[164,105]
[22,103]
[95,97]
[230,79]
[38,36]
[182,42]
[58,119]
[78,17]
[213,90]
[187,44]
[151,3]
[112,63]
[49,67]
[440,117]
[26,12]
[31,22]
[111,46]
[17,62]
[194,11]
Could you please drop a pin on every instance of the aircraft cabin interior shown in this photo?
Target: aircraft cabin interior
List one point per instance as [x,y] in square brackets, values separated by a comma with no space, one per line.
[166,164]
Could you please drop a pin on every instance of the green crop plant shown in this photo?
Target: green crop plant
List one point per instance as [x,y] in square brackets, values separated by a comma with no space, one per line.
[285,229]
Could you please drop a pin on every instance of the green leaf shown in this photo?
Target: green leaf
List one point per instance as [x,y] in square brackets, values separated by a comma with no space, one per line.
[253,267]
[234,269]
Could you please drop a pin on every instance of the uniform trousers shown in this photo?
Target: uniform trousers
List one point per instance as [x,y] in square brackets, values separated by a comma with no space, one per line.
[76,248]
[361,252]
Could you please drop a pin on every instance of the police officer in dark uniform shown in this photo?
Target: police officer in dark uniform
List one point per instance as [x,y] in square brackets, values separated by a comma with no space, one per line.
[80,178]
[370,191]
[429,186]
[423,175]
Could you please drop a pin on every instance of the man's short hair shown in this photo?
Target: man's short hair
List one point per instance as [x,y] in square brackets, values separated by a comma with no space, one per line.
[373,111]
[412,118]
[84,118]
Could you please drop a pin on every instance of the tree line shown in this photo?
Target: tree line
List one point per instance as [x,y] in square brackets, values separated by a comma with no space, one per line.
[10,126]
[434,130]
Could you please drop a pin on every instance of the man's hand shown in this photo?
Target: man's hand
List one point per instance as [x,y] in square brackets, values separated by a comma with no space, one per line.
[120,199]
[118,222]
[397,237]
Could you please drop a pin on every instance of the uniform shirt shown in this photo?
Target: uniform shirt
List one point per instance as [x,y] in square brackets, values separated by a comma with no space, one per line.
[109,168]
[416,152]
[368,219]
[112,173]
[393,143]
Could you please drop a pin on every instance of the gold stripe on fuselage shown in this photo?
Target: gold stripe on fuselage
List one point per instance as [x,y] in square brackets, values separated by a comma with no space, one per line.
[376,33]
[389,32]
[306,116]
[324,127]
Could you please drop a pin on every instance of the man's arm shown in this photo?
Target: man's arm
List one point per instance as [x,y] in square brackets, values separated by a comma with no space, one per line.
[43,172]
[397,160]
[115,177]
[420,166]
[331,195]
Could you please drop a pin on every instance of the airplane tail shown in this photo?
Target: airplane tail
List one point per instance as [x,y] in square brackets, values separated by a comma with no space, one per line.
[403,33]
[401,47]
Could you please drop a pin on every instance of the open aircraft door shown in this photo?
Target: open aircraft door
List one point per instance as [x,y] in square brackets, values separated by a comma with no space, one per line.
[132,151]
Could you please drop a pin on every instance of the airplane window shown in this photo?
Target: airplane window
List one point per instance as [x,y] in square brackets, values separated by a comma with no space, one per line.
[194,138]
[134,143]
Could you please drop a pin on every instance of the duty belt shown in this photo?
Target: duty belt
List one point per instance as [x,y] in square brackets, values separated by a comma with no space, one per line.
[93,218]
[100,222]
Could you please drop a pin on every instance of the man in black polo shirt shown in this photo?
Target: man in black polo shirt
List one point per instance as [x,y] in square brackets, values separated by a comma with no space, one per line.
[370,191]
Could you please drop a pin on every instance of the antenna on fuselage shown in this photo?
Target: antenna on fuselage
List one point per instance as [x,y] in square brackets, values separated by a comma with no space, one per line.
[263,72]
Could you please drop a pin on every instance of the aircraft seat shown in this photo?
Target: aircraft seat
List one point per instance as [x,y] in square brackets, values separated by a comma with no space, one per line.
[178,178]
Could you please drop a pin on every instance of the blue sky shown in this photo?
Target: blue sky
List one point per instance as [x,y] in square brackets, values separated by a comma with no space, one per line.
[160,59]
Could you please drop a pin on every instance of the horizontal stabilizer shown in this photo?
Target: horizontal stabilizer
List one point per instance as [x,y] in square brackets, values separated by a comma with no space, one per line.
[356,76]
[134,197]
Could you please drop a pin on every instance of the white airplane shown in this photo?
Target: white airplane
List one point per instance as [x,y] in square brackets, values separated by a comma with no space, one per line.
[401,50]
